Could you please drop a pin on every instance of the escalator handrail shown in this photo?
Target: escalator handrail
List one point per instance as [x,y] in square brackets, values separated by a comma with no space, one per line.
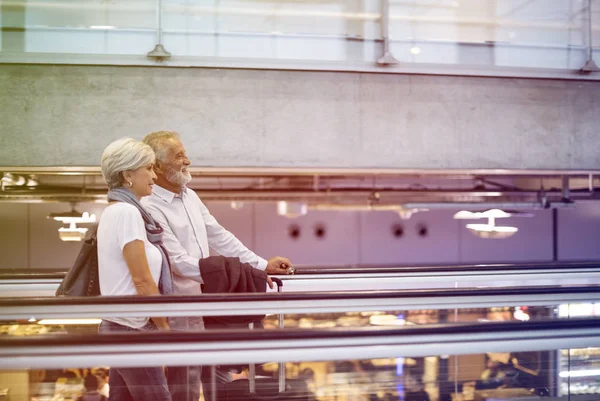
[301,296]
[41,274]
[256,346]
[294,302]
[505,327]
[487,267]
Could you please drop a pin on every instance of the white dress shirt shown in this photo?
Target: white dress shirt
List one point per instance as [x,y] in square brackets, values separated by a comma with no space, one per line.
[189,231]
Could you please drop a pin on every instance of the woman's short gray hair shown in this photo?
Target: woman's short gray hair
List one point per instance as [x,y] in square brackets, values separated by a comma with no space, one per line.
[158,142]
[124,154]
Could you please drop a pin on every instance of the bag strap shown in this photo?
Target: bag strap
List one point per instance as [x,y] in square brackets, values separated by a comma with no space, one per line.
[94,275]
[94,233]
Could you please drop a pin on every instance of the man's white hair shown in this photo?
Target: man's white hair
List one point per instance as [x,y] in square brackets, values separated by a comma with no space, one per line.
[125,154]
[158,142]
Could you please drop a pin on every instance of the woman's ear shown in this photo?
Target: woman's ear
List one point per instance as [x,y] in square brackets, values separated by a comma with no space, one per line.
[127,176]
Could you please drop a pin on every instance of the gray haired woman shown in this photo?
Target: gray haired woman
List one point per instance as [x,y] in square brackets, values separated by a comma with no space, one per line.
[132,260]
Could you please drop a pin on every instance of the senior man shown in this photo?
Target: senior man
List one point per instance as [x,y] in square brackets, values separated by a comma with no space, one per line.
[189,231]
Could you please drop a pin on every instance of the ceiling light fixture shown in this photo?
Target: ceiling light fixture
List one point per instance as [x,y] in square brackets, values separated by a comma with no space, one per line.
[291,209]
[387,58]
[590,65]
[72,233]
[159,53]
[8,178]
[20,180]
[32,181]
[72,218]
[492,213]
[489,230]
[236,205]
[406,214]
[12,179]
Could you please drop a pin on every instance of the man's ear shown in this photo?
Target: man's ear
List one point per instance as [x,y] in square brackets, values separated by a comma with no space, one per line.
[157,167]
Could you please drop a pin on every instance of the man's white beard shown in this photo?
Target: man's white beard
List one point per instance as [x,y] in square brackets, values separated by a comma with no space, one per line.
[179,177]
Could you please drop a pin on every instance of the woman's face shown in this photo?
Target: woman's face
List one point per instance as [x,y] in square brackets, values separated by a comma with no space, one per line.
[142,180]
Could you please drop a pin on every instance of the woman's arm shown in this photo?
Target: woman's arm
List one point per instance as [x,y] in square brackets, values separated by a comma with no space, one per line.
[135,256]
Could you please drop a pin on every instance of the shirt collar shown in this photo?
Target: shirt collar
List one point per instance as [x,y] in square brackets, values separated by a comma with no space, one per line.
[163,193]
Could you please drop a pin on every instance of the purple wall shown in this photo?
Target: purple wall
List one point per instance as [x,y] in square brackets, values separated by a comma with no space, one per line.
[29,240]
[366,237]
[579,232]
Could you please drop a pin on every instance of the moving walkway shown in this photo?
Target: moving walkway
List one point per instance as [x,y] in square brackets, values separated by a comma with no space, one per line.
[553,357]
[39,283]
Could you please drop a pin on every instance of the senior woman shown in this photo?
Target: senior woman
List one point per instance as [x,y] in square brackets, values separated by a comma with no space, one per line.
[131,260]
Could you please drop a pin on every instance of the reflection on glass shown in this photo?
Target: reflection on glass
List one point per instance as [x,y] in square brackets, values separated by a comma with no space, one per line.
[579,371]
[89,27]
[490,376]
[33,326]
[508,33]
[411,317]
[331,320]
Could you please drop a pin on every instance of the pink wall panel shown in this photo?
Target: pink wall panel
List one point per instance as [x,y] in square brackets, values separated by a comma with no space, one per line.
[380,246]
[339,246]
[532,243]
[579,232]
[239,222]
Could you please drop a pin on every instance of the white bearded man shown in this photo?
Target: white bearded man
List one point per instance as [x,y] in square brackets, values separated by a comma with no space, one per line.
[189,231]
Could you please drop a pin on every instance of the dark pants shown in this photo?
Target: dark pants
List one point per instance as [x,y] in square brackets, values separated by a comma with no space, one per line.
[222,376]
[135,384]
[184,382]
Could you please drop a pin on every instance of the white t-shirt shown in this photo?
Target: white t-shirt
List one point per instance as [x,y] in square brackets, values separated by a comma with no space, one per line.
[120,224]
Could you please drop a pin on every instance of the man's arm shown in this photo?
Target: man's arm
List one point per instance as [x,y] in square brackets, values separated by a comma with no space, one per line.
[227,244]
[182,264]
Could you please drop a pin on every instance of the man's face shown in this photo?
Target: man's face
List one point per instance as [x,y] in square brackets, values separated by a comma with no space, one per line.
[175,167]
